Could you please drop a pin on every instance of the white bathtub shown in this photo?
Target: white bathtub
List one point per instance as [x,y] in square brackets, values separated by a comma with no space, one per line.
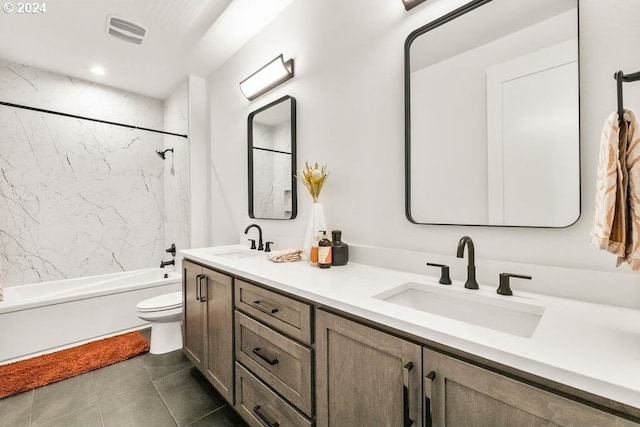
[44,317]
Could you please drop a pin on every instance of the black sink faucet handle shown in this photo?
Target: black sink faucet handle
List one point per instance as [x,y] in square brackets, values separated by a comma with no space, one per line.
[267,246]
[444,273]
[504,288]
[253,243]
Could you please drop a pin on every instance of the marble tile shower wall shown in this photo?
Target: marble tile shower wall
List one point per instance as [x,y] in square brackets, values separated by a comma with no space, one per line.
[77,198]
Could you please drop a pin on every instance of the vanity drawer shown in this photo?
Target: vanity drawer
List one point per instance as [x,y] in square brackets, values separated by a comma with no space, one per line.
[279,361]
[283,313]
[260,407]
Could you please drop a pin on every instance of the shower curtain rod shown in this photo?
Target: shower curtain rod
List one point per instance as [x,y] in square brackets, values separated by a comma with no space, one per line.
[73,116]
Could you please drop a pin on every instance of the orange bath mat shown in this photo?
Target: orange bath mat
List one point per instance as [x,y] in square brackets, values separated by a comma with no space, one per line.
[27,374]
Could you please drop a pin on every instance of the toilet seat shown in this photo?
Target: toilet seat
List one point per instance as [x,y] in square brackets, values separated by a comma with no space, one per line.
[166,302]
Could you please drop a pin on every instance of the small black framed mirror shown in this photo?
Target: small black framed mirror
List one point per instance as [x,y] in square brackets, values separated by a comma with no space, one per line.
[272,160]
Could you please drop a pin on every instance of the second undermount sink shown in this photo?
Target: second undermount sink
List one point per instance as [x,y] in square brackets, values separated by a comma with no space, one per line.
[497,313]
[237,253]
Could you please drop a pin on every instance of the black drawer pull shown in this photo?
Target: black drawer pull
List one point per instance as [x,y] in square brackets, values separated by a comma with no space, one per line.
[407,421]
[428,393]
[265,308]
[271,361]
[264,418]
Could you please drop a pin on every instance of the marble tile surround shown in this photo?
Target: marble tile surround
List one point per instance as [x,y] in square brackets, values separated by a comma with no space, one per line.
[78,198]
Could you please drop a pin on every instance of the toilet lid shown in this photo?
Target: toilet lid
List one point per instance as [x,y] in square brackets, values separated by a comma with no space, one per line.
[161,302]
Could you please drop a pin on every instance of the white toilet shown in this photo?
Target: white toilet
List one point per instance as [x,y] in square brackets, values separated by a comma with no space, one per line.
[165,313]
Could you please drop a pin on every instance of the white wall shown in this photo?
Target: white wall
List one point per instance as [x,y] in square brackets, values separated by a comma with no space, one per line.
[349,91]
[198,163]
[177,218]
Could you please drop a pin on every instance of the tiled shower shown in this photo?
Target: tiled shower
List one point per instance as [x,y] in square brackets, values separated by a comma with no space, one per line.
[80,198]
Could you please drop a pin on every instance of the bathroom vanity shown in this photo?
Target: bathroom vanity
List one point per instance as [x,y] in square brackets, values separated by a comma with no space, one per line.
[298,346]
[207,324]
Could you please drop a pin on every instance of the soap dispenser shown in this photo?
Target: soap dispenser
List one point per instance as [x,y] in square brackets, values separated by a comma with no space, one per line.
[339,249]
[324,251]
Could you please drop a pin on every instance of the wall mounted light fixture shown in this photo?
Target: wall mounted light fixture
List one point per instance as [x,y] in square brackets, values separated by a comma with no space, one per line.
[266,78]
[408,4]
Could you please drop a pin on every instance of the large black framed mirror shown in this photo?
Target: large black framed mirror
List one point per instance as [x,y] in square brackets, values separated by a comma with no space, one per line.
[492,116]
[272,160]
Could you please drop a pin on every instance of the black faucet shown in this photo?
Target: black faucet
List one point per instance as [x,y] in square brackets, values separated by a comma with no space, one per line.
[471,267]
[163,264]
[260,245]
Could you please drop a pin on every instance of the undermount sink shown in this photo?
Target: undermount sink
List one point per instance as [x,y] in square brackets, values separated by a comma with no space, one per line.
[497,313]
[238,253]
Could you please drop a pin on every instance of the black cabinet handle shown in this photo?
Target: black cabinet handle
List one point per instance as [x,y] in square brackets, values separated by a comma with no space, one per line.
[203,298]
[264,418]
[265,308]
[270,360]
[428,382]
[407,422]
[197,283]
[206,288]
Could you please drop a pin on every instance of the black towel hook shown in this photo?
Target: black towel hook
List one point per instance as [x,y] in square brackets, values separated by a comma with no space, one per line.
[622,77]
[619,76]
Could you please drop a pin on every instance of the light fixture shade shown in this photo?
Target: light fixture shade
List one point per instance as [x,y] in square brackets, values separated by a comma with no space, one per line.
[408,4]
[266,78]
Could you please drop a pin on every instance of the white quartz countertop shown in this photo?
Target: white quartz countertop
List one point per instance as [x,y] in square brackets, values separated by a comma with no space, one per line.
[591,347]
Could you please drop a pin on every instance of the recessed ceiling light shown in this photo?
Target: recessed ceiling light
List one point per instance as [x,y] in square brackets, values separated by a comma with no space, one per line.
[97,70]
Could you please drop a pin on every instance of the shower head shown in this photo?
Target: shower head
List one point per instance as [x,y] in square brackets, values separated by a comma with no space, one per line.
[163,154]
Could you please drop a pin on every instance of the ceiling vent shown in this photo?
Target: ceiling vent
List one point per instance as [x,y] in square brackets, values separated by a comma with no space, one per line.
[125,30]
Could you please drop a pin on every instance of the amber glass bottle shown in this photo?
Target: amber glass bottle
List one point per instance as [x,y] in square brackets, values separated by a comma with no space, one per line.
[324,251]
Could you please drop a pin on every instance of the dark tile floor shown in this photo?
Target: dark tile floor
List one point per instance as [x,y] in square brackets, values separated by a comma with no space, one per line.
[147,390]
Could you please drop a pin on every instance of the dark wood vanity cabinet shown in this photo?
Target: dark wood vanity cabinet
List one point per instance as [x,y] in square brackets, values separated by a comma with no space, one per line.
[281,361]
[274,358]
[365,377]
[461,394]
[368,377]
[207,324]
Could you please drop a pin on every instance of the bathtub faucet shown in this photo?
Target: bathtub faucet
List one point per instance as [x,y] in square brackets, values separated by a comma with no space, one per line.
[165,263]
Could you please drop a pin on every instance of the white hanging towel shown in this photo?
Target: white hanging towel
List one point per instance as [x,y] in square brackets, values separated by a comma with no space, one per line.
[616,225]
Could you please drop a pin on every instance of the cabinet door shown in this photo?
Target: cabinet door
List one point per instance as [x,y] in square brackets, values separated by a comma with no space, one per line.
[193,337]
[365,377]
[461,394]
[219,321]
